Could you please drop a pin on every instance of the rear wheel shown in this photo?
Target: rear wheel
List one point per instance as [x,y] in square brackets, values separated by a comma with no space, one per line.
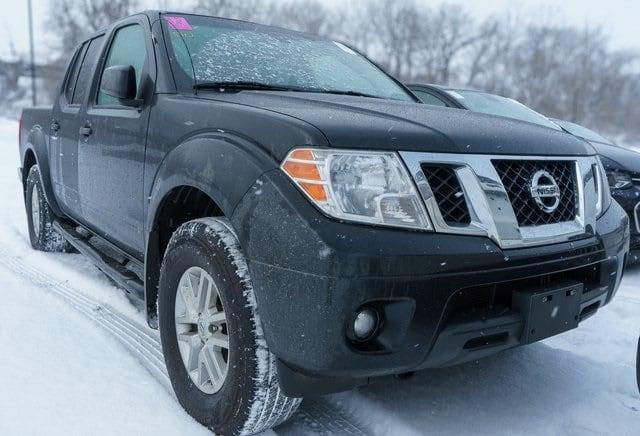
[40,217]
[220,367]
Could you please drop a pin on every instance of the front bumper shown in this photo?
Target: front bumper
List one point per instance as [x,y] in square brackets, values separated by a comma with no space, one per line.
[437,292]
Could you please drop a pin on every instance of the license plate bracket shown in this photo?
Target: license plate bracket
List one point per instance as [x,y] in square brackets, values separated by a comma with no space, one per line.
[548,311]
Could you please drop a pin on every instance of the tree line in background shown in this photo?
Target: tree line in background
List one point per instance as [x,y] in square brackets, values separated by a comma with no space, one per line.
[560,70]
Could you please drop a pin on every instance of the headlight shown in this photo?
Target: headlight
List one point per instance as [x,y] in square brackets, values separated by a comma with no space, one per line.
[367,187]
[603,192]
[619,180]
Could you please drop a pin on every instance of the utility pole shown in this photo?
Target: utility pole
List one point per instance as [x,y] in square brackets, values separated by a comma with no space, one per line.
[32,56]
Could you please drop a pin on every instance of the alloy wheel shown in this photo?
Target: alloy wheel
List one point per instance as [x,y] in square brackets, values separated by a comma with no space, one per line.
[201,329]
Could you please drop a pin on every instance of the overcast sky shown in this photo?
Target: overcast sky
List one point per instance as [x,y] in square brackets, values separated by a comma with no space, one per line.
[620,17]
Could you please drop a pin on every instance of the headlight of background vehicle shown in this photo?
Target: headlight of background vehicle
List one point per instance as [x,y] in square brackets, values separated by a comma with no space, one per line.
[367,187]
[619,179]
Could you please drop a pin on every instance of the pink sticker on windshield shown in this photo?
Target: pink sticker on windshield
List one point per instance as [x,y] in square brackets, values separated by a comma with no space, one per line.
[178,23]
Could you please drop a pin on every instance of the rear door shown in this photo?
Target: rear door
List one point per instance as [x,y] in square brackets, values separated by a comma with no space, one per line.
[112,150]
[68,116]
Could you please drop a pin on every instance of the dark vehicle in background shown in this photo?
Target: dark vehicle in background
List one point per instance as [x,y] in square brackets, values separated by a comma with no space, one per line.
[295,224]
[479,101]
[622,165]
[623,171]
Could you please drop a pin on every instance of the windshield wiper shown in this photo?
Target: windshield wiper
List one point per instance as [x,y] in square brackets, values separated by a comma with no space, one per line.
[240,85]
[248,85]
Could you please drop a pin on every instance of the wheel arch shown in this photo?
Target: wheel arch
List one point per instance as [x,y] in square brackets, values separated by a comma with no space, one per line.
[205,176]
[36,153]
[179,205]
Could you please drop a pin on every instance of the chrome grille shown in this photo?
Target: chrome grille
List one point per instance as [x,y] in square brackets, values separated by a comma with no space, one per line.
[448,193]
[516,175]
[490,206]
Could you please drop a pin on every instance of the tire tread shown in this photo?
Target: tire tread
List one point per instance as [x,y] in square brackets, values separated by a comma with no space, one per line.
[268,406]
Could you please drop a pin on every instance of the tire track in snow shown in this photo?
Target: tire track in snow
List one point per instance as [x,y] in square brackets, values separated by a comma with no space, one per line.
[315,417]
[318,416]
[141,341]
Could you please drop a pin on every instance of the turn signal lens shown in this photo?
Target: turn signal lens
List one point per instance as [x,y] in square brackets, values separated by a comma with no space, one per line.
[302,154]
[317,193]
[369,187]
[306,171]
[303,169]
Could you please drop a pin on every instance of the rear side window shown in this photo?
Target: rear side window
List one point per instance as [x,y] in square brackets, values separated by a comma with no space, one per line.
[128,48]
[74,68]
[88,64]
[428,98]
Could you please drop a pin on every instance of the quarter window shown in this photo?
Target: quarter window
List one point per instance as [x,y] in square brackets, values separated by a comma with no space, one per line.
[72,77]
[88,65]
[128,48]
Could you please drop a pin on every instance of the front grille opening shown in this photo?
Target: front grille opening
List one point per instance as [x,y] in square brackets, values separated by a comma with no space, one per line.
[448,193]
[486,301]
[516,176]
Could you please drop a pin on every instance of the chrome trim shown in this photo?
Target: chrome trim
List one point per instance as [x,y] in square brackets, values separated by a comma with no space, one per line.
[492,214]
[599,179]
[636,212]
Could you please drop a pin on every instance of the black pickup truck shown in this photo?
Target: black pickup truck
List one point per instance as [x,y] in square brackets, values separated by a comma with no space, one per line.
[295,223]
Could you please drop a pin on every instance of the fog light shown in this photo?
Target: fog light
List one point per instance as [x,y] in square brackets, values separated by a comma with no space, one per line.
[365,324]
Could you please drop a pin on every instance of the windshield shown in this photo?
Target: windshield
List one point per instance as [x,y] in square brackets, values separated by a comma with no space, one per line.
[206,49]
[503,107]
[582,132]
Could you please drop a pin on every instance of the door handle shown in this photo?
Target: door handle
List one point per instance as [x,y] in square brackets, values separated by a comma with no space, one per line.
[86,130]
[55,126]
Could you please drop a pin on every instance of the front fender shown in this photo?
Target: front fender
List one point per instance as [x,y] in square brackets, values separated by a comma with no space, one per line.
[221,165]
[217,163]
[37,143]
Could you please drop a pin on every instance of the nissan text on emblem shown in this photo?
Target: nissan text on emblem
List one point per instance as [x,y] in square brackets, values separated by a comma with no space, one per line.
[545,191]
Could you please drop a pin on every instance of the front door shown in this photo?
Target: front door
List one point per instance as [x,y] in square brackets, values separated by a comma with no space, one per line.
[112,144]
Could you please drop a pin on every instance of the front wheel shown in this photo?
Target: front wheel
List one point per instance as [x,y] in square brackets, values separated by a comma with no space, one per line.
[220,367]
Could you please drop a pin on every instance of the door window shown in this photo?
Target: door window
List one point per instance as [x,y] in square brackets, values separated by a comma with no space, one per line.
[86,70]
[128,48]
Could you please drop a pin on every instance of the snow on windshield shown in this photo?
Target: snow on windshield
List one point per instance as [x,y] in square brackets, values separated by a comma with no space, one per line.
[215,50]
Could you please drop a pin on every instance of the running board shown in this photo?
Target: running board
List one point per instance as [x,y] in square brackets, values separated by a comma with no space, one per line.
[112,268]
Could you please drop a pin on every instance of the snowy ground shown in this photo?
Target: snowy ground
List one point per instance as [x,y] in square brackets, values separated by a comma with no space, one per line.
[76,358]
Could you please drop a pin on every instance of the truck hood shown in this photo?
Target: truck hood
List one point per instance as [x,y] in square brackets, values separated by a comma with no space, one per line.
[369,123]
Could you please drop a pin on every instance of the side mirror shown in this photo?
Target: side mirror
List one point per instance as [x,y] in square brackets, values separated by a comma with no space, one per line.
[120,82]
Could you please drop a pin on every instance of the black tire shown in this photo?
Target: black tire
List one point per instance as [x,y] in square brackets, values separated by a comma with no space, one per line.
[42,235]
[250,400]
